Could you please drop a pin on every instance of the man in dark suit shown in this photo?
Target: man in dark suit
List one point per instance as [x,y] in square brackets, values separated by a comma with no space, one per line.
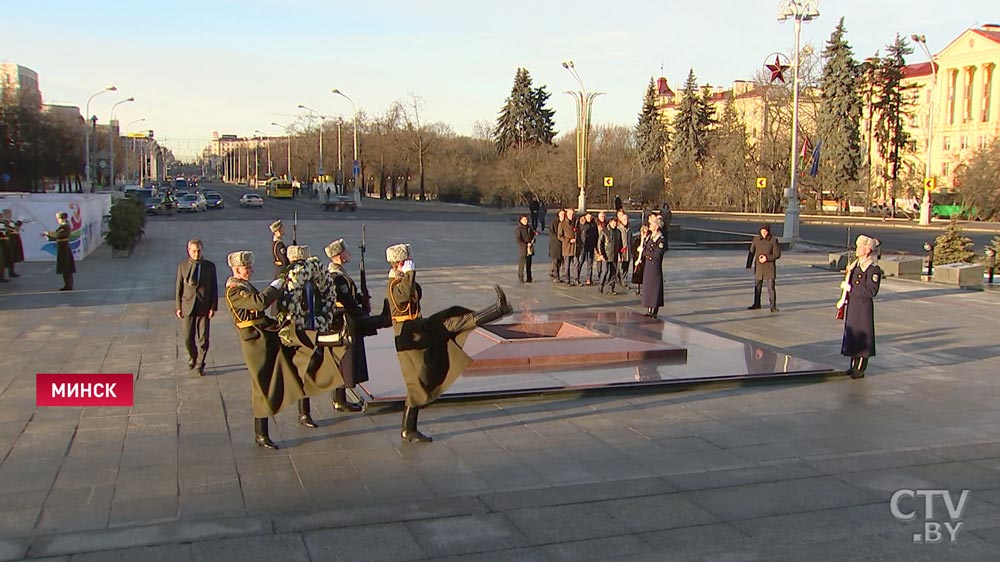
[764,251]
[196,301]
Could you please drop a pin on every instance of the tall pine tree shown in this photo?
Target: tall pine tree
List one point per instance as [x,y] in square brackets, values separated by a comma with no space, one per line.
[650,133]
[691,124]
[524,119]
[840,116]
[890,104]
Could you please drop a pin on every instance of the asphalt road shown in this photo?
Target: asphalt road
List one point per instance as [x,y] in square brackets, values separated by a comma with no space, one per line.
[901,239]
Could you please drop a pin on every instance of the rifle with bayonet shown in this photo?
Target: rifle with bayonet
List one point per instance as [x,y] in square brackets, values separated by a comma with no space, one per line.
[366,297]
[295,229]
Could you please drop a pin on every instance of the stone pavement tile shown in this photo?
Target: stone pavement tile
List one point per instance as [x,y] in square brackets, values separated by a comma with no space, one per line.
[657,512]
[605,548]
[76,509]
[742,502]
[700,538]
[556,469]
[822,492]
[817,525]
[960,475]
[580,493]
[215,504]
[267,548]
[530,554]
[373,543]
[885,482]
[12,549]
[162,553]
[861,462]
[143,509]
[31,475]
[466,534]
[562,523]
[207,478]
[771,472]
[147,535]
[350,515]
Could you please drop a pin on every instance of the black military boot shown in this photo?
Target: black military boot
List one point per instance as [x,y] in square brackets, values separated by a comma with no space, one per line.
[495,311]
[260,434]
[340,402]
[859,372]
[305,419]
[410,432]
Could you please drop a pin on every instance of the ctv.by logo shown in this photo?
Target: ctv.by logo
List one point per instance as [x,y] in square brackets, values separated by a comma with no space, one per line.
[931,533]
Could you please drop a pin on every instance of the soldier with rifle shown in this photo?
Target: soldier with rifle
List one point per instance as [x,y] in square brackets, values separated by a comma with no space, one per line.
[356,304]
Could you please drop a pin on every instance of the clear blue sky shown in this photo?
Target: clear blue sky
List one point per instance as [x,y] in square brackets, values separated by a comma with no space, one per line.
[236,66]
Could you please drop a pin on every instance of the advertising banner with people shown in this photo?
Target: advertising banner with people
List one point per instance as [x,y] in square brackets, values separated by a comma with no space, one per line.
[38,213]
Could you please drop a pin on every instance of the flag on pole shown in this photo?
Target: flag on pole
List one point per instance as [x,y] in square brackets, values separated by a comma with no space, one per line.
[814,170]
[803,153]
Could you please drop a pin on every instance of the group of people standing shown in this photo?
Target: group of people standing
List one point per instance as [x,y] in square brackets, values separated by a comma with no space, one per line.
[11,248]
[600,250]
[314,345]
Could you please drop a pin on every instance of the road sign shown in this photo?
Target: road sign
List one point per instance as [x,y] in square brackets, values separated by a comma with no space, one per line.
[930,184]
[357,167]
[761,183]
[609,181]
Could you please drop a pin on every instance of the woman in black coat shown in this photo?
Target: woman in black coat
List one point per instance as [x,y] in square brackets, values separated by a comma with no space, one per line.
[524,235]
[859,288]
[652,268]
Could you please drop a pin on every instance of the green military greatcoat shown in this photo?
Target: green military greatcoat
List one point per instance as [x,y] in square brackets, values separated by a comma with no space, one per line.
[352,359]
[429,349]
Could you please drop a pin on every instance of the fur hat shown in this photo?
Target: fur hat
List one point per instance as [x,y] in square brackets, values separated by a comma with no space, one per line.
[62,216]
[335,248]
[866,242]
[275,226]
[240,259]
[397,253]
[297,253]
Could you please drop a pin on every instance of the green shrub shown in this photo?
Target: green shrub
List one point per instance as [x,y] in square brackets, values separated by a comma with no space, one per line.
[125,225]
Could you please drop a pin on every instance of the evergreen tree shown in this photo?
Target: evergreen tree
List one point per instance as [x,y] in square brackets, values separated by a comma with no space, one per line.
[953,247]
[731,164]
[524,119]
[889,107]
[839,116]
[690,126]
[650,133]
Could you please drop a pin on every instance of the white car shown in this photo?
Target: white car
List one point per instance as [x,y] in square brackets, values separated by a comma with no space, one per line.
[251,200]
[194,202]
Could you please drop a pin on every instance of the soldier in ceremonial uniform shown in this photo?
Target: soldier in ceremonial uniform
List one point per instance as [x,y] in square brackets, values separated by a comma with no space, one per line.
[351,357]
[429,348]
[278,248]
[764,251]
[858,290]
[4,257]
[14,240]
[65,264]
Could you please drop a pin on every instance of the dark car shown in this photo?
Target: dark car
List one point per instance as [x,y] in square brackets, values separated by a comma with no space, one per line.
[340,203]
[214,200]
[154,205]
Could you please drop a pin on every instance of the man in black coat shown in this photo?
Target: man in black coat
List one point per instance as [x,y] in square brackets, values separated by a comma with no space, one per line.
[588,237]
[764,251]
[609,244]
[555,246]
[524,235]
[196,300]
[533,207]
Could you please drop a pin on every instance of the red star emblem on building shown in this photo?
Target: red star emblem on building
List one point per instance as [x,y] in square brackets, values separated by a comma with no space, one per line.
[777,70]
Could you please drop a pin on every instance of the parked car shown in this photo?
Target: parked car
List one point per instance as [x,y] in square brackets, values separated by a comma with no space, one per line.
[193,203]
[214,200]
[251,200]
[340,203]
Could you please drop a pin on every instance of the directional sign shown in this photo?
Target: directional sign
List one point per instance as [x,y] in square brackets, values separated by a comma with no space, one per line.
[609,181]
[357,167]
[930,184]
[761,183]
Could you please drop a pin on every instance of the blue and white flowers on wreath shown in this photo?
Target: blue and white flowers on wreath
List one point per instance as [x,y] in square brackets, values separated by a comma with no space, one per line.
[306,277]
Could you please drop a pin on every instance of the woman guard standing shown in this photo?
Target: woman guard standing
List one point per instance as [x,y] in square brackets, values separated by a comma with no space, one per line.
[429,348]
[858,289]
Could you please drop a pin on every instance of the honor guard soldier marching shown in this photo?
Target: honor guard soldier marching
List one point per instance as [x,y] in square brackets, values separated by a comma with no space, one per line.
[14,241]
[65,264]
[351,357]
[278,248]
[429,348]
[4,252]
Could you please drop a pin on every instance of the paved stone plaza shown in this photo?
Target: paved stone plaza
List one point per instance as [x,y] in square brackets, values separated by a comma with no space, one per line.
[777,472]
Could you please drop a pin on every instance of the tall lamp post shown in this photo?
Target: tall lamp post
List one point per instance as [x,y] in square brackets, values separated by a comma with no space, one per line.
[584,104]
[357,162]
[111,138]
[288,142]
[321,119]
[925,205]
[131,142]
[86,131]
[799,11]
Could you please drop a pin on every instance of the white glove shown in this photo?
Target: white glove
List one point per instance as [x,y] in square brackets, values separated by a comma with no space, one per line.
[845,286]
[841,302]
[277,283]
[407,266]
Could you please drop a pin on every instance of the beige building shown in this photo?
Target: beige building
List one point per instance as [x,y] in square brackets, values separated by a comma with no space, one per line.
[21,82]
[965,101]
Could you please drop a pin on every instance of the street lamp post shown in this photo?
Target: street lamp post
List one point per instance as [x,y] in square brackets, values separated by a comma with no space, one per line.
[357,162]
[584,104]
[321,119]
[925,204]
[111,138]
[86,131]
[131,142]
[288,143]
[799,11]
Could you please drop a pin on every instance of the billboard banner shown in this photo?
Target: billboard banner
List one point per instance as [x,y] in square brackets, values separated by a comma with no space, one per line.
[38,212]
